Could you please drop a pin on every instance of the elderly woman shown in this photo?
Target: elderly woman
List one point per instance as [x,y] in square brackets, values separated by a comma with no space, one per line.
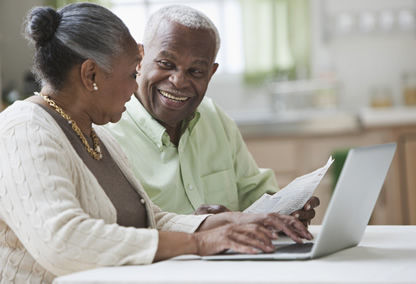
[68,200]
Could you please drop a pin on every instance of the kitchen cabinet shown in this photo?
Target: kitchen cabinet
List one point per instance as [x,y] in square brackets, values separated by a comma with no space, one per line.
[292,155]
[408,176]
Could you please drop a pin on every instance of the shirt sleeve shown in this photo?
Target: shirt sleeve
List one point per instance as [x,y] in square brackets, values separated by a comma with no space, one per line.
[252,181]
[166,221]
[39,202]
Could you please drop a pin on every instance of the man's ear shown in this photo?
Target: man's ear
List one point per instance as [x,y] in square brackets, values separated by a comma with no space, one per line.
[141,55]
[88,73]
[213,69]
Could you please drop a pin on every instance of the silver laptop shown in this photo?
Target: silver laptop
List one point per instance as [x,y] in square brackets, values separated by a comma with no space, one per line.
[348,212]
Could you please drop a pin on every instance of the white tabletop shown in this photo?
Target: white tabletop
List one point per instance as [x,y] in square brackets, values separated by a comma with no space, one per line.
[387,254]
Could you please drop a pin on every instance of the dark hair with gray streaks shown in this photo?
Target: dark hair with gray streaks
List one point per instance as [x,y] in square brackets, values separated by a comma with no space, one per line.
[71,35]
[183,15]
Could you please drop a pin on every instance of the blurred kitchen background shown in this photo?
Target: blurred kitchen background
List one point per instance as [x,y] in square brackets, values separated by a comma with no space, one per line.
[303,79]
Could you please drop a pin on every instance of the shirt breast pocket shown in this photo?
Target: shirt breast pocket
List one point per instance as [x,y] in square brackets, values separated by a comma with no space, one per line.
[220,188]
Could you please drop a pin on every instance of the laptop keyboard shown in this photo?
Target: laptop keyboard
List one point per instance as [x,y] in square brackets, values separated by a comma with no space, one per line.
[285,248]
[297,248]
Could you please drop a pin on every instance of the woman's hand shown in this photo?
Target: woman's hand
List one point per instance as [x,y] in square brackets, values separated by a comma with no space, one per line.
[246,238]
[243,238]
[274,222]
[241,232]
[250,233]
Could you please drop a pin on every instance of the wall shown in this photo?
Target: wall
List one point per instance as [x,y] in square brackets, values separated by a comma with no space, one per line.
[235,97]
[16,55]
[359,61]
[362,61]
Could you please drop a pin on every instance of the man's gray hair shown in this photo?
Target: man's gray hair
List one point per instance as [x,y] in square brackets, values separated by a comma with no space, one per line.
[183,15]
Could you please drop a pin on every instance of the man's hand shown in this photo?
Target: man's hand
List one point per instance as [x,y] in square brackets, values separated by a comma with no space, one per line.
[211,209]
[306,214]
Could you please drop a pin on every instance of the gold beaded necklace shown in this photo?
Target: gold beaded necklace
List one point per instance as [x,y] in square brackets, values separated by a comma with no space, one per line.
[95,152]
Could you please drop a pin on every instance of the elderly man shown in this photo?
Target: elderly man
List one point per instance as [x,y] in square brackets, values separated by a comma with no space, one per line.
[184,149]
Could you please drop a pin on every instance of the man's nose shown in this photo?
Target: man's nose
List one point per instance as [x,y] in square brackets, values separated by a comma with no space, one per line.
[179,79]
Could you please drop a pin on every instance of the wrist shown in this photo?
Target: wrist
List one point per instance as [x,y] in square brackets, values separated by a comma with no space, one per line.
[226,218]
[233,217]
[195,241]
[217,220]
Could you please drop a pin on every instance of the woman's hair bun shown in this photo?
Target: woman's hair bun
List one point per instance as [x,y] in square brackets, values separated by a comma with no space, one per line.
[42,23]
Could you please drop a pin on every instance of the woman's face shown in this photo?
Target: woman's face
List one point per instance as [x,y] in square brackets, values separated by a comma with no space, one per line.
[115,88]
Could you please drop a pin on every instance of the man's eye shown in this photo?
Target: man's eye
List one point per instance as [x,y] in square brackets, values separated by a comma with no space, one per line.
[134,75]
[197,72]
[165,64]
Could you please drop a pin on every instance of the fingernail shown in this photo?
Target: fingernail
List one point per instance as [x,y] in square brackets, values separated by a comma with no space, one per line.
[308,207]
[256,251]
[297,215]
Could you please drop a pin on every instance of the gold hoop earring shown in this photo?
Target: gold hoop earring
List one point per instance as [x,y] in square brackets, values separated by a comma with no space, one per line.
[94,86]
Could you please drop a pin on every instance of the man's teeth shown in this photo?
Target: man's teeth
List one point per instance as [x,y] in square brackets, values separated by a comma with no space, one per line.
[169,96]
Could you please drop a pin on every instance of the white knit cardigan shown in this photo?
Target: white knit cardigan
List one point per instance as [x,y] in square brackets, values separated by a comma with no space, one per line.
[55,218]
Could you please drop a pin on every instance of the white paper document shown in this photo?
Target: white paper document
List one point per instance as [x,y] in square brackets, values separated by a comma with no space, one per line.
[293,196]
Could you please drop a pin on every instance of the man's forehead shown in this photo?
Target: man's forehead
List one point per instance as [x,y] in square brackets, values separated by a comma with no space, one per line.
[188,36]
[177,42]
[175,55]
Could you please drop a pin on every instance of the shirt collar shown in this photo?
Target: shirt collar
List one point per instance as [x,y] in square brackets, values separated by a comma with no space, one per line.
[144,121]
[150,126]
[190,124]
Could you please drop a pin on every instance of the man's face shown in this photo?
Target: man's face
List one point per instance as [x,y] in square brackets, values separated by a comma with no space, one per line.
[174,73]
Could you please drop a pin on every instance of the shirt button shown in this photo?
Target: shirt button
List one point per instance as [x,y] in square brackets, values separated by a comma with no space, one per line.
[142,201]
[190,187]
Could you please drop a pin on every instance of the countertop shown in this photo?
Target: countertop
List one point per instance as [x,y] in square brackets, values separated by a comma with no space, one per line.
[397,116]
[319,122]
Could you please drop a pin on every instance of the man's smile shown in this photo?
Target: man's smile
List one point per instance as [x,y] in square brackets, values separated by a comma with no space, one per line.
[172,97]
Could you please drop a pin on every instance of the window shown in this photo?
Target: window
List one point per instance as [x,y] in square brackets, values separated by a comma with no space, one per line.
[226,15]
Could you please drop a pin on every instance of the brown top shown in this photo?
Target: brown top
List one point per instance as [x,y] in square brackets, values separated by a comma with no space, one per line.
[127,201]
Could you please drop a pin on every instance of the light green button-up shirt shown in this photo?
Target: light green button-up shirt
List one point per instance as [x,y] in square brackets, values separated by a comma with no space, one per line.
[211,164]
